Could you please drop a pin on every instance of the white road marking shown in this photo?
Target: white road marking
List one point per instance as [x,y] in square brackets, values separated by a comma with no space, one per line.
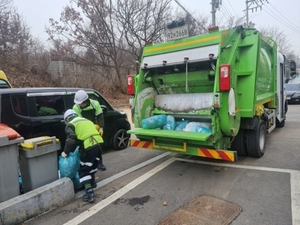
[295,197]
[96,208]
[294,179]
[125,172]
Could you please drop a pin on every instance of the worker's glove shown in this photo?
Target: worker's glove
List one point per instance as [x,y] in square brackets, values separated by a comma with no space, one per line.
[101,131]
[64,155]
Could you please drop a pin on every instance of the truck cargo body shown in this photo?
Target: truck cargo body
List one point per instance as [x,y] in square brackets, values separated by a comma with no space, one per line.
[231,80]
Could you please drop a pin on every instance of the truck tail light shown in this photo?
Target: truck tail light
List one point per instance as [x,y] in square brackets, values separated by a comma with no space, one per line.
[224,77]
[130,84]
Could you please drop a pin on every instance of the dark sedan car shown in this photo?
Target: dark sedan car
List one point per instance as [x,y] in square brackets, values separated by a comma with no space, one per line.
[293,92]
[35,112]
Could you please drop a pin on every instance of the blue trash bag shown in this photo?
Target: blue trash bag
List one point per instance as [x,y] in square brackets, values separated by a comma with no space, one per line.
[69,166]
[76,182]
[197,127]
[154,122]
[202,129]
[180,125]
[170,123]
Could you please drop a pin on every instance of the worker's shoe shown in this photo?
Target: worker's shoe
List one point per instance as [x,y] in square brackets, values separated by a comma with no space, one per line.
[101,166]
[89,196]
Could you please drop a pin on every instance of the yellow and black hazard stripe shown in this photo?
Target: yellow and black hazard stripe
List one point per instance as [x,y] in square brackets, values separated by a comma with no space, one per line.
[217,154]
[202,152]
[141,144]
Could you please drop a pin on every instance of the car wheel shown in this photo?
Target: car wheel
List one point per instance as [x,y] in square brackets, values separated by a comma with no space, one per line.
[120,140]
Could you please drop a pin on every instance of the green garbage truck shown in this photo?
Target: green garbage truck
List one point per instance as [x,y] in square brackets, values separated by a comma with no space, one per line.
[230,81]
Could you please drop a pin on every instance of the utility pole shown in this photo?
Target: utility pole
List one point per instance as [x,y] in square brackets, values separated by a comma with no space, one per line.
[253,5]
[214,6]
[190,15]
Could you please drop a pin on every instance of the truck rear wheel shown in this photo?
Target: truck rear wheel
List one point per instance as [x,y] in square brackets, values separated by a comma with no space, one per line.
[280,124]
[239,143]
[256,140]
[286,107]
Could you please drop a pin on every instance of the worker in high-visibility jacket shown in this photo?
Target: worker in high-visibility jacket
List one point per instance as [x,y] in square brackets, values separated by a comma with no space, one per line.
[90,109]
[82,132]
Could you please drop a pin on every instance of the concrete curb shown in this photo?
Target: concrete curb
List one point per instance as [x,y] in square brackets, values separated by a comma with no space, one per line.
[36,202]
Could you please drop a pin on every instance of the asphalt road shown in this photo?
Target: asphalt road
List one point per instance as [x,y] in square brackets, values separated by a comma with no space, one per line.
[138,182]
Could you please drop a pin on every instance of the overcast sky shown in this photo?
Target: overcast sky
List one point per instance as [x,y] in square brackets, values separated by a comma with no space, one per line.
[283,14]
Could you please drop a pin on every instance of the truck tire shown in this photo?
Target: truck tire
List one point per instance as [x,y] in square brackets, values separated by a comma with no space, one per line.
[256,140]
[286,107]
[239,143]
[280,124]
[120,140]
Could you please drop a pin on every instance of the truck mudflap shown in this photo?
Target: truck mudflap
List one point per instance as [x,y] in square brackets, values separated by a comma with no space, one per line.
[182,142]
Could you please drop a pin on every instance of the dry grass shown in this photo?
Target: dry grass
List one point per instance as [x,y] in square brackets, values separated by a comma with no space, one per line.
[27,79]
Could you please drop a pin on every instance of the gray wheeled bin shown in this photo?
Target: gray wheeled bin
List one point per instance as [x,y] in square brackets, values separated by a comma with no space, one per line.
[9,172]
[38,162]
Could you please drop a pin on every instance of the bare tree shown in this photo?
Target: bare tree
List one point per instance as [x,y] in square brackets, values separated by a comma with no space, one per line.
[112,32]
[136,27]
[280,37]
[39,58]
[5,4]
[89,26]
[15,39]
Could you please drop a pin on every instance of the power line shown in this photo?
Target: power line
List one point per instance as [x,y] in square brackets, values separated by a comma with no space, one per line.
[227,12]
[272,14]
[253,5]
[287,20]
[224,13]
[190,15]
[232,8]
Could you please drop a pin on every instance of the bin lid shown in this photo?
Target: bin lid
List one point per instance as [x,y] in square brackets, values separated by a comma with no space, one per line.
[9,132]
[32,143]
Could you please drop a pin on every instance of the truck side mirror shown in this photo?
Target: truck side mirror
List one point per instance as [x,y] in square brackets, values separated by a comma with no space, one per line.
[293,66]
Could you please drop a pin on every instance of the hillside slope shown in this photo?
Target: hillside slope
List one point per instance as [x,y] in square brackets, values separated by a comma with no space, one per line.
[19,78]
